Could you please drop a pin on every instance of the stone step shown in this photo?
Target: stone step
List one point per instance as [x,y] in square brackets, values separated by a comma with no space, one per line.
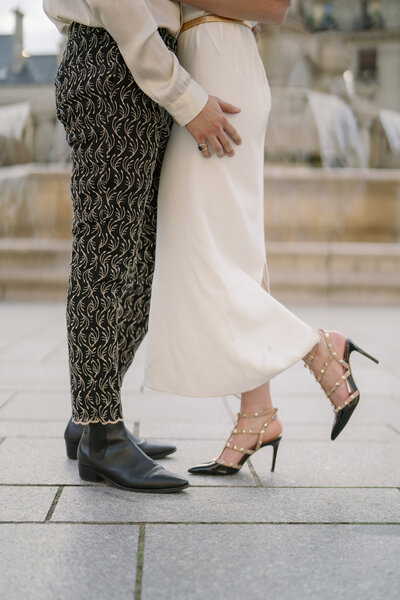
[364,273]
[34,269]
[300,272]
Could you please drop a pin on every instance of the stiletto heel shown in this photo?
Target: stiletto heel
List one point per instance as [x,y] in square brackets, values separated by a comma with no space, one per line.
[343,412]
[220,467]
[275,445]
[354,347]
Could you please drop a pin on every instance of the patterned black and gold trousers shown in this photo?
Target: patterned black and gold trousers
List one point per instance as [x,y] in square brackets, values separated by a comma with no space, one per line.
[118,136]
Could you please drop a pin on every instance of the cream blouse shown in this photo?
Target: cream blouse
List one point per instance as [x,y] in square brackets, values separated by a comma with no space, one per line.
[134,26]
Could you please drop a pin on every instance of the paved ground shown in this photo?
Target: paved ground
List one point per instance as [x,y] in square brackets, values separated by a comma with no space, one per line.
[325,525]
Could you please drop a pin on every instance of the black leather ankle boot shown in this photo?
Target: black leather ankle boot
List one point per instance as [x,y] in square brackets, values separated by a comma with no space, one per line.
[73,433]
[106,452]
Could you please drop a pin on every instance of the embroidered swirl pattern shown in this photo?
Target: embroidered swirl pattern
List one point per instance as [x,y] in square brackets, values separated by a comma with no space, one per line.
[118,137]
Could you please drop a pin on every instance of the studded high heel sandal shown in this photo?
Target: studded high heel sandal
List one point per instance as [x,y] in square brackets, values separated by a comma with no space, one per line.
[220,467]
[345,410]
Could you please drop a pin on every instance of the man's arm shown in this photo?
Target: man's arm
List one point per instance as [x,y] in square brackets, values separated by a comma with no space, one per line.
[265,11]
[158,73]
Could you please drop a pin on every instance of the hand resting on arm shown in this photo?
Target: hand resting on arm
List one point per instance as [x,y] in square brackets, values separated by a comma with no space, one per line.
[265,11]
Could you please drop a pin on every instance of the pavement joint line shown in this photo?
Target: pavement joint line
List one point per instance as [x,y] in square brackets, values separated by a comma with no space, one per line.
[140,562]
[13,394]
[215,487]
[393,429]
[141,523]
[254,474]
[38,329]
[53,504]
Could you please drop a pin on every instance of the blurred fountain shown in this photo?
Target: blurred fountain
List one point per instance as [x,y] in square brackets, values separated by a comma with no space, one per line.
[16,134]
[313,128]
[339,139]
[34,198]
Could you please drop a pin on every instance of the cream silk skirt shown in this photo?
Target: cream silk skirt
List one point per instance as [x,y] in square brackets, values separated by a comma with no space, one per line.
[213,329]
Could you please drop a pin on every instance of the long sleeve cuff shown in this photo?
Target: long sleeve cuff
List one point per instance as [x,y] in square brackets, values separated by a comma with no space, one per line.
[189,104]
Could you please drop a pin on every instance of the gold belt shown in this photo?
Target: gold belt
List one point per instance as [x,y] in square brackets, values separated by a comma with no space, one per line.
[211,19]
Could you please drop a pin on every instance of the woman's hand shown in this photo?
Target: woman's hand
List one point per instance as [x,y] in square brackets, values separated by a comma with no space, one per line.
[211,128]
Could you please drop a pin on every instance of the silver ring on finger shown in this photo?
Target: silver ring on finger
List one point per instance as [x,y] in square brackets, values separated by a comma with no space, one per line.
[202,147]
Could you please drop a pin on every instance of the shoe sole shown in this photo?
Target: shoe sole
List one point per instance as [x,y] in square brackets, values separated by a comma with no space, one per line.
[96,477]
[158,456]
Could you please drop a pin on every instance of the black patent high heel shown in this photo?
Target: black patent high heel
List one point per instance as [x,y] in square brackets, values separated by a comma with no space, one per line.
[343,412]
[220,467]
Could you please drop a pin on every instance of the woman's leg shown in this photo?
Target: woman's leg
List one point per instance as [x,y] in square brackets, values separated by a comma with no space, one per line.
[252,402]
[259,400]
[258,423]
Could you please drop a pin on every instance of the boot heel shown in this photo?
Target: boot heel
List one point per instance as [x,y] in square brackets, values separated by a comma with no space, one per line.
[88,474]
[353,346]
[72,450]
[275,445]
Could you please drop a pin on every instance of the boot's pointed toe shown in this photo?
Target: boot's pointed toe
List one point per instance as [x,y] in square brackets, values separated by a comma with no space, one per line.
[107,452]
[154,449]
[160,477]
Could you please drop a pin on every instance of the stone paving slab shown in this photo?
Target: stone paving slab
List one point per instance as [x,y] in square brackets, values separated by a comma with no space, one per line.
[43,461]
[329,464]
[33,376]
[36,345]
[36,461]
[305,432]
[185,430]
[59,562]
[29,428]
[28,503]
[305,564]
[309,409]
[289,562]
[175,409]
[20,319]
[38,404]
[224,505]
[59,354]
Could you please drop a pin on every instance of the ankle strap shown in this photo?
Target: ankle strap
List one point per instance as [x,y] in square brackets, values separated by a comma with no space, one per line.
[262,413]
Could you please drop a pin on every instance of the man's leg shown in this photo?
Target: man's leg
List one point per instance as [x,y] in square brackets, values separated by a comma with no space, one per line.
[135,302]
[113,130]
